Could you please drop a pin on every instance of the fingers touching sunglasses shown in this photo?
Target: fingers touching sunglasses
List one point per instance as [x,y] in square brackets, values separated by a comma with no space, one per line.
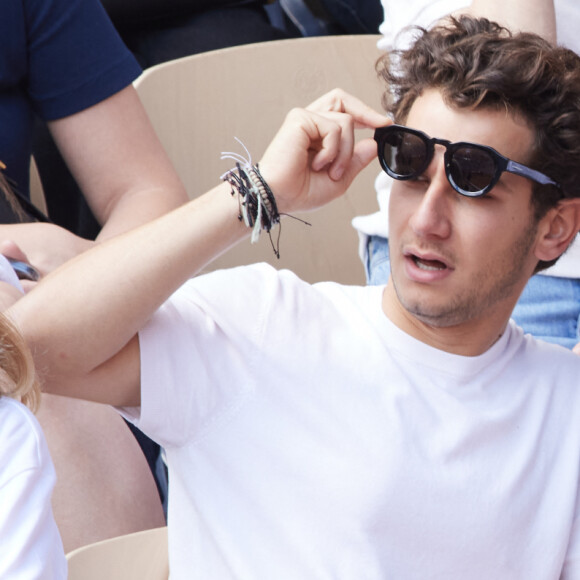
[472,169]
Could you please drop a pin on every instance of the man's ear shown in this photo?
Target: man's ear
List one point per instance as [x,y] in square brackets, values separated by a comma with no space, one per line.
[557,229]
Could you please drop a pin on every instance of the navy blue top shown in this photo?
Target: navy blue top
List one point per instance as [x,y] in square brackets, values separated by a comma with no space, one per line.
[57,57]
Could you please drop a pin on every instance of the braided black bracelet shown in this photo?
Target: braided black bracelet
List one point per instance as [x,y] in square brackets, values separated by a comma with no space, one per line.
[257,203]
[258,208]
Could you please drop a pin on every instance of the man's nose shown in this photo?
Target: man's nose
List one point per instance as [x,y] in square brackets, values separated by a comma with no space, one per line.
[432,217]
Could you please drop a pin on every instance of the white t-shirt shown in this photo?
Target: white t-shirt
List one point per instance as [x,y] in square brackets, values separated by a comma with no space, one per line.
[308,437]
[398,16]
[30,544]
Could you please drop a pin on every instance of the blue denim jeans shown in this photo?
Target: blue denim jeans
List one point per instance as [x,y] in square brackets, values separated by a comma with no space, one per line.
[549,307]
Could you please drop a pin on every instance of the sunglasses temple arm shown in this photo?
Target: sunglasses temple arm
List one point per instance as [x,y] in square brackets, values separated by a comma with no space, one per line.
[537,176]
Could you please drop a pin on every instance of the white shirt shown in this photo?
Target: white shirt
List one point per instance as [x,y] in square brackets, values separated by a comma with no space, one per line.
[309,437]
[30,544]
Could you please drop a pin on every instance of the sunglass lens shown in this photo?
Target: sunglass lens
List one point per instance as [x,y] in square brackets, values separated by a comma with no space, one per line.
[405,154]
[471,170]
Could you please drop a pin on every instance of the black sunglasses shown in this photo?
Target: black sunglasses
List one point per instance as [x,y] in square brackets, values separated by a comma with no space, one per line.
[24,271]
[471,169]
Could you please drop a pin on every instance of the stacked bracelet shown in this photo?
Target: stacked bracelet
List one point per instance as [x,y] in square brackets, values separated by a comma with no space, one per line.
[258,207]
[257,204]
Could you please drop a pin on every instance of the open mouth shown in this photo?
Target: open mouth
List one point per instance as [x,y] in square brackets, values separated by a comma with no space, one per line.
[430,265]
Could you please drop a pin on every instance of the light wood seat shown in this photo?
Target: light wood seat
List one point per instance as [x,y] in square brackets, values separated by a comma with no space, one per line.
[138,556]
[199,104]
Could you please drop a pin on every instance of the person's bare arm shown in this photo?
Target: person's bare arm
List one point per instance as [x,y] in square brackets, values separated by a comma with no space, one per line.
[82,321]
[119,163]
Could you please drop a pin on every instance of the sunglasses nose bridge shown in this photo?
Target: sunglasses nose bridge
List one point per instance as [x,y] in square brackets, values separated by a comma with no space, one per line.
[443,142]
[435,158]
[439,186]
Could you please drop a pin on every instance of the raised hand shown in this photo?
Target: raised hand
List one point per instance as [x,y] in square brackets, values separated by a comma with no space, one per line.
[315,156]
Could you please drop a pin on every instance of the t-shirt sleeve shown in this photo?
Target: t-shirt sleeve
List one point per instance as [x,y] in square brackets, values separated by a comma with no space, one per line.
[31,547]
[199,351]
[76,57]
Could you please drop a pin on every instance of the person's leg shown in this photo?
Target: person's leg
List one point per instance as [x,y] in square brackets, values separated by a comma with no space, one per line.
[104,486]
[549,308]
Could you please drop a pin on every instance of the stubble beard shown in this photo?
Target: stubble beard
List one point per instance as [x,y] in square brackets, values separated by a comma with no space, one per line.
[480,297]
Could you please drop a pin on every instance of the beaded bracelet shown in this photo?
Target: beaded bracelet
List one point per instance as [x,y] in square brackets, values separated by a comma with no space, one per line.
[257,204]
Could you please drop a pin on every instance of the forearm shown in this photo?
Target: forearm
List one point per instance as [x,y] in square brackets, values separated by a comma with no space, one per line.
[519,15]
[137,208]
[119,163]
[82,320]
[114,288]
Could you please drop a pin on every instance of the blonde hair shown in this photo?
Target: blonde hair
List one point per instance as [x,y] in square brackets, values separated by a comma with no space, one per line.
[18,378]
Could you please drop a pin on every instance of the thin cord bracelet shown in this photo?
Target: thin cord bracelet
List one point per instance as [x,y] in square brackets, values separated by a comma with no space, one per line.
[258,209]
